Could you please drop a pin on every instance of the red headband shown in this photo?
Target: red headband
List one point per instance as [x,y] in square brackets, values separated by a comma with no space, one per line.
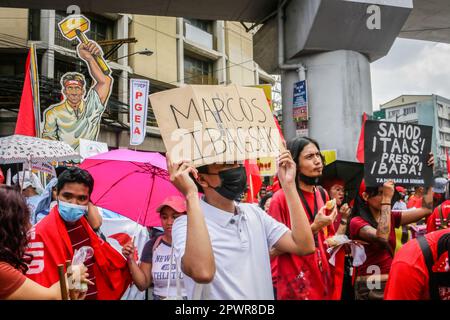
[72,83]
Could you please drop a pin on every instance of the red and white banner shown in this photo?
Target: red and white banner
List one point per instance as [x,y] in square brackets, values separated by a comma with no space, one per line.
[118,232]
[138,110]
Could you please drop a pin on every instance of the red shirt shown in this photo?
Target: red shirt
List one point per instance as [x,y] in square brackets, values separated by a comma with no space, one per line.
[80,238]
[302,277]
[415,202]
[408,279]
[11,279]
[376,254]
[434,220]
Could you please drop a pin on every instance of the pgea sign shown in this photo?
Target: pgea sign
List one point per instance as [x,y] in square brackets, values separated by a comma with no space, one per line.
[138,110]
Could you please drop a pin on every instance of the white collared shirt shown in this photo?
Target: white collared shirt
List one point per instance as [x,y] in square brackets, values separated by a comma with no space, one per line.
[241,244]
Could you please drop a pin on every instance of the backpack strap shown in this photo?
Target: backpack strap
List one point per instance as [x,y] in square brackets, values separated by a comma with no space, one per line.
[444,222]
[322,193]
[429,260]
[157,242]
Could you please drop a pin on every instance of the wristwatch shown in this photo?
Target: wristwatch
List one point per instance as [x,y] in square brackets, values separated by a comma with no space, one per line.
[343,222]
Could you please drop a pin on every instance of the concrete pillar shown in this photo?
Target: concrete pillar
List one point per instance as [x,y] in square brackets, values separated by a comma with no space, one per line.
[122,32]
[48,37]
[339,91]
[180,50]
[336,41]
[221,64]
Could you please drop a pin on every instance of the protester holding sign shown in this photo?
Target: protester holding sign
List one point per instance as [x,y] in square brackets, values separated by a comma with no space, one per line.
[156,260]
[309,277]
[374,222]
[14,225]
[241,234]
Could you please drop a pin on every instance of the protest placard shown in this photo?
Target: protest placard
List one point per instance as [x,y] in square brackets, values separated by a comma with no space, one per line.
[216,124]
[397,151]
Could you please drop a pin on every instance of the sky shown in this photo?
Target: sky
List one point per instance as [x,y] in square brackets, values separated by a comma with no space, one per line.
[411,67]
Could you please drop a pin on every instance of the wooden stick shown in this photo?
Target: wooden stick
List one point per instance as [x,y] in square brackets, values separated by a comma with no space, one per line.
[62,282]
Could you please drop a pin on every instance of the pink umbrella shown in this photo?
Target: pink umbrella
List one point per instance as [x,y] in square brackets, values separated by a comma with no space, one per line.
[130,183]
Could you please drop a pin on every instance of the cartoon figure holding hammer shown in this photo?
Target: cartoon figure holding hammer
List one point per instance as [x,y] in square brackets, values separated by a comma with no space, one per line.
[78,116]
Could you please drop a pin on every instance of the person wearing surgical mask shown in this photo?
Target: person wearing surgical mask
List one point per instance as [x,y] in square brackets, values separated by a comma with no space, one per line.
[223,246]
[66,230]
[31,189]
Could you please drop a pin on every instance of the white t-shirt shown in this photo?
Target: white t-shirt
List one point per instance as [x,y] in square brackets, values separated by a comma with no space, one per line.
[160,259]
[241,246]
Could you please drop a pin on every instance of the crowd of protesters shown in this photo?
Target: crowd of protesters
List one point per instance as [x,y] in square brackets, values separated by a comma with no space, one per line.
[284,247]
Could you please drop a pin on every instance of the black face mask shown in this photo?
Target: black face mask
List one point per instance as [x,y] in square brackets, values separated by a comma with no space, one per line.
[233,183]
[310,181]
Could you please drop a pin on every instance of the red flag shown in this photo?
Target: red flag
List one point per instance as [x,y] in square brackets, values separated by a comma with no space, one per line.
[360,149]
[448,164]
[26,120]
[253,180]
[279,128]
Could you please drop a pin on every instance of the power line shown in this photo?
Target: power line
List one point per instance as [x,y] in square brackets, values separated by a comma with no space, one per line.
[53,59]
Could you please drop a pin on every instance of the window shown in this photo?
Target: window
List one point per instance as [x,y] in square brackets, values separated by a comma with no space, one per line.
[409,110]
[197,71]
[444,123]
[393,113]
[205,25]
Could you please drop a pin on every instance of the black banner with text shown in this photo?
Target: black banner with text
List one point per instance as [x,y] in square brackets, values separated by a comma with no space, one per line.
[397,151]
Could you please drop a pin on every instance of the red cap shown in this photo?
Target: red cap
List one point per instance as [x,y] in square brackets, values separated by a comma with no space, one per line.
[400,189]
[177,203]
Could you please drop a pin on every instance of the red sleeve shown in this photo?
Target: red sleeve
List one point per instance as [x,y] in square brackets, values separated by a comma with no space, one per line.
[431,221]
[405,282]
[410,203]
[355,225]
[11,279]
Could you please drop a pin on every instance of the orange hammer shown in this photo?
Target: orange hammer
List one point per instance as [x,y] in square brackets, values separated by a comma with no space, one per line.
[76,26]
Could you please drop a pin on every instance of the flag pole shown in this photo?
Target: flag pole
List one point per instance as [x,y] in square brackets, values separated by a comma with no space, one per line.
[35,89]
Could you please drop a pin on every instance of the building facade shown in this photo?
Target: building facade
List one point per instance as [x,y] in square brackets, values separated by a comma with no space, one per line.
[430,110]
[168,51]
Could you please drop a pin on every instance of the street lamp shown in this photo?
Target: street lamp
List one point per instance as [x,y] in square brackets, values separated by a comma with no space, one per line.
[144,52]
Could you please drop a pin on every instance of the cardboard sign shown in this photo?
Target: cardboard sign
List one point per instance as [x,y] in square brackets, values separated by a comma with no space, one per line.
[138,110]
[397,151]
[216,124]
[267,88]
